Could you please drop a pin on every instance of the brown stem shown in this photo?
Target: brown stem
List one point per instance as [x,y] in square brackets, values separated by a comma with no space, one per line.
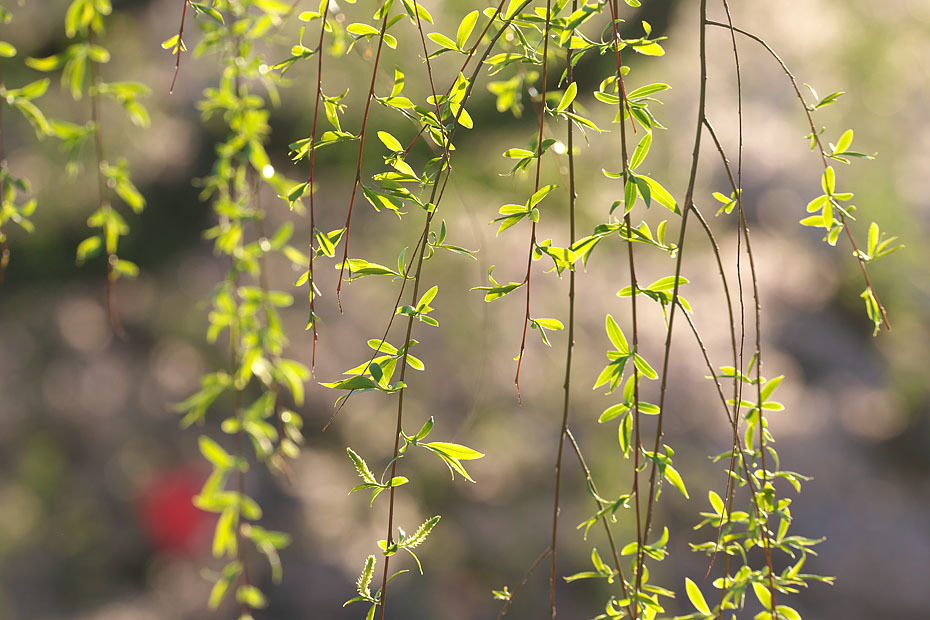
[737,357]
[610,536]
[689,199]
[733,416]
[416,286]
[539,141]
[177,62]
[361,150]
[758,357]
[103,192]
[316,113]
[624,108]
[570,345]
[444,165]
[526,577]
[4,247]
[823,154]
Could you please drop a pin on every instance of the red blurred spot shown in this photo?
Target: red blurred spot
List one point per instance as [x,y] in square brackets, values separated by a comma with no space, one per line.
[169,519]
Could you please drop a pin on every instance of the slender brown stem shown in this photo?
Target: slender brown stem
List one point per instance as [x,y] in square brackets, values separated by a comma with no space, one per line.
[763,518]
[241,549]
[733,416]
[815,136]
[361,150]
[570,345]
[447,140]
[637,432]
[738,357]
[4,246]
[686,209]
[177,62]
[746,466]
[444,165]
[610,536]
[103,191]
[526,577]
[316,114]
[539,152]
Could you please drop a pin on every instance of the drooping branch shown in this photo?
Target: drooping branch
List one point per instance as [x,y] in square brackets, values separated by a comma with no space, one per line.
[815,136]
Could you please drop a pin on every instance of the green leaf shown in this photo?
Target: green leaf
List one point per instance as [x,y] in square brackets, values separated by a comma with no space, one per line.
[763,594]
[672,475]
[844,142]
[390,142]
[125,269]
[465,29]
[567,98]
[552,324]
[814,220]
[616,336]
[49,63]
[644,367]
[828,182]
[769,387]
[518,153]
[538,196]
[230,572]
[209,11]
[251,596]
[454,450]
[642,149]
[170,42]
[661,195]
[353,383]
[87,248]
[696,598]
[873,238]
[214,453]
[443,40]
[362,30]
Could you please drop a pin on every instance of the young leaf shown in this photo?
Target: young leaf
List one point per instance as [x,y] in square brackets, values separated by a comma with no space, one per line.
[696,598]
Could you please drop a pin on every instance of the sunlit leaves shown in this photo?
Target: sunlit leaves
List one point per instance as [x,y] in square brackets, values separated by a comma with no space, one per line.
[497,290]
[696,598]
[601,570]
[452,454]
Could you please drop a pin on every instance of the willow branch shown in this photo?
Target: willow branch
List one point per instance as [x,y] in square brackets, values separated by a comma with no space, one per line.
[539,153]
[361,150]
[823,154]
[570,345]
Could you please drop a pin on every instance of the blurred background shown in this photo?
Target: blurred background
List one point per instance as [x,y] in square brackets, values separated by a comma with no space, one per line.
[96,476]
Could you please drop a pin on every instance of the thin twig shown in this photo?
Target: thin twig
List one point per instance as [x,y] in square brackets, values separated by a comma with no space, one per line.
[361,150]
[4,247]
[103,192]
[737,357]
[526,577]
[689,199]
[539,153]
[444,165]
[177,62]
[610,535]
[570,345]
[316,113]
[634,286]
[413,300]
[823,155]
[758,357]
